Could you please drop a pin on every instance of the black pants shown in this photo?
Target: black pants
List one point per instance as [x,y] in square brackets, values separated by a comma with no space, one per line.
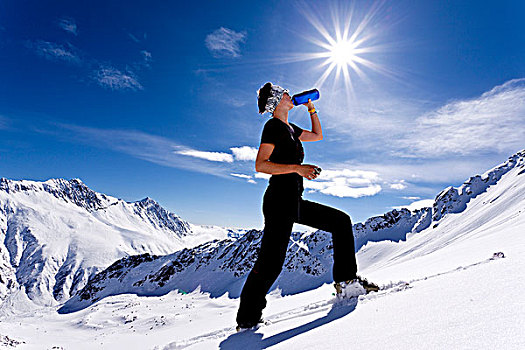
[280,213]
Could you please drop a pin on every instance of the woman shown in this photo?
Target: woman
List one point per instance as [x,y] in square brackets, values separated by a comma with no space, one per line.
[281,155]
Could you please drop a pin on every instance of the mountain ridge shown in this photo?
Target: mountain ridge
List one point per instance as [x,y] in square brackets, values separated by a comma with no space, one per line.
[57,233]
[53,262]
[308,259]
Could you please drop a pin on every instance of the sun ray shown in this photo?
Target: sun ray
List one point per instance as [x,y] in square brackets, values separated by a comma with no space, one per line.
[318,26]
[325,75]
[348,82]
[358,71]
[347,25]
[320,43]
[335,20]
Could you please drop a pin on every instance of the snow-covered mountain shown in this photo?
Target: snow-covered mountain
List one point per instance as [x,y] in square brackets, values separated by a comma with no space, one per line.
[58,233]
[219,266]
[463,259]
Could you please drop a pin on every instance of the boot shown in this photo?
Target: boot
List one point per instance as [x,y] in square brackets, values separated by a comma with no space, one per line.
[355,287]
[368,286]
[249,325]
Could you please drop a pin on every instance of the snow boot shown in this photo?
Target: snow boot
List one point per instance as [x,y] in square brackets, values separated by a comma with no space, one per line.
[354,288]
[249,325]
[368,286]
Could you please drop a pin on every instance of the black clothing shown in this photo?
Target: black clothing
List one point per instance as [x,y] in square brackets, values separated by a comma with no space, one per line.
[288,150]
[277,230]
[282,206]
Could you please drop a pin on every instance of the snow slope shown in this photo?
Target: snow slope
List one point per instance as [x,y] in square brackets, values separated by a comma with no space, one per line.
[460,295]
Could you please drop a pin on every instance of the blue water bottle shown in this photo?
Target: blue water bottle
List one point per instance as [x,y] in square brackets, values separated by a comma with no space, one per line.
[304,96]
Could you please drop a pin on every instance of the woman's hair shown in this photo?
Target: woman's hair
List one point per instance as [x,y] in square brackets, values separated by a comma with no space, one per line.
[263,95]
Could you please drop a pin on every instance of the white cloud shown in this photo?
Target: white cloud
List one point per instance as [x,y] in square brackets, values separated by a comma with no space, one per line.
[262,176]
[147,57]
[134,38]
[105,75]
[211,156]
[55,52]
[493,122]
[353,192]
[235,101]
[399,186]
[138,39]
[151,148]
[347,173]
[244,153]
[411,198]
[242,176]
[489,124]
[225,42]
[345,183]
[417,205]
[68,24]
[426,177]
[114,79]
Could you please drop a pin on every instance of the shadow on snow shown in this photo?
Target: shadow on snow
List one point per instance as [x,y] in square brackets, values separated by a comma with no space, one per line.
[254,340]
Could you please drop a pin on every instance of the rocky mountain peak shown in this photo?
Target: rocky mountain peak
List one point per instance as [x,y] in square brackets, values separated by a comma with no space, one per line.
[73,190]
[152,211]
[454,200]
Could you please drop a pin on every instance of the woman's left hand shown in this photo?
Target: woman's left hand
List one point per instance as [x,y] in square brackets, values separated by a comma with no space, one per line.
[309,105]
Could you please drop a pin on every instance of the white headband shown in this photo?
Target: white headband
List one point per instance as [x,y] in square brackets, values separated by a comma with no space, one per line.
[276,94]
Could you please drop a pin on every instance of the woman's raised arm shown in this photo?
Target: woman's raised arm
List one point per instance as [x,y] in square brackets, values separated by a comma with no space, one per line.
[317,132]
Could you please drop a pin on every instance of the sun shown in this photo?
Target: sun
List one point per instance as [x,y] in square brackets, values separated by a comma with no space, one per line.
[347,45]
[343,53]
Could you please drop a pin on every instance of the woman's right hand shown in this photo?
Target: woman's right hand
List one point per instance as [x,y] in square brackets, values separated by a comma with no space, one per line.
[307,171]
[309,105]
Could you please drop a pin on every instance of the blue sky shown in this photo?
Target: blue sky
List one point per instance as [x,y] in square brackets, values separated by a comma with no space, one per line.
[158,98]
